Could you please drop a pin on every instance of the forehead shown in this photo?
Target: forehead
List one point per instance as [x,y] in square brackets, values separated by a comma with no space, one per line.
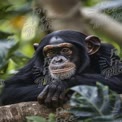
[55,40]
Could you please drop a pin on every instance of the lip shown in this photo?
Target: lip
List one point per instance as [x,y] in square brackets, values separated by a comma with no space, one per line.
[61,70]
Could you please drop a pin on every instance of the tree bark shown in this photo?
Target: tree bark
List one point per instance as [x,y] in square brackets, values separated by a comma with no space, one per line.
[18,112]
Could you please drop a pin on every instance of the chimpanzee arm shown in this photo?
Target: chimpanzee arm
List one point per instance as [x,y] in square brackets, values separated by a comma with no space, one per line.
[114,83]
[15,93]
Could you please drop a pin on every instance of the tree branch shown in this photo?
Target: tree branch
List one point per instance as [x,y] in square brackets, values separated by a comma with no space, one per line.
[18,112]
[103,23]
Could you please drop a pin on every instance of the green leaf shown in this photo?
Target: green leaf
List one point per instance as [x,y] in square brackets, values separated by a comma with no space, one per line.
[4,35]
[35,119]
[51,118]
[9,9]
[95,103]
[19,58]
[7,47]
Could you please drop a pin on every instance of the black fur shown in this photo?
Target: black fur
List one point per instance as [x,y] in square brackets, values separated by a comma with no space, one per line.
[23,87]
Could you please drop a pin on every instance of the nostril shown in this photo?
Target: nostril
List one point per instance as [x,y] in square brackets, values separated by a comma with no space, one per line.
[58,59]
[61,60]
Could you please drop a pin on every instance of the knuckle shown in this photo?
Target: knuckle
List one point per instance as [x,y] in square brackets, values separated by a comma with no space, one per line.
[53,87]
[39,97]
[54,99]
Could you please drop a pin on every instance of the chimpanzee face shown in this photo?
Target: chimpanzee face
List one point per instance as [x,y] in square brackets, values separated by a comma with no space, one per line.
[63,58]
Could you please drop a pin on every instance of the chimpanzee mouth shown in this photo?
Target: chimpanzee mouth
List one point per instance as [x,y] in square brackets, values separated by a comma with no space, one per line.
[63,71]
[62,68]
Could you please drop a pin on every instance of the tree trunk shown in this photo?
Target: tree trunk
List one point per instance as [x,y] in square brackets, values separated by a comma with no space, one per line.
[69,14]
[64,14]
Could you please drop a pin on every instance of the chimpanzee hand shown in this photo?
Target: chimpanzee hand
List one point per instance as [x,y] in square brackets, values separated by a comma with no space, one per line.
[54,94]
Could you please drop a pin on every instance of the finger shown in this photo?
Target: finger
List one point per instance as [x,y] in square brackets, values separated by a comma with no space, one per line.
[43,94]
[62,97]
[50,94]
[55,98]
[57,94]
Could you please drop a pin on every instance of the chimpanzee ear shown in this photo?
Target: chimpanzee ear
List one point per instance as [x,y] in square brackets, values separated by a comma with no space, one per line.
[35,45]
[93,44]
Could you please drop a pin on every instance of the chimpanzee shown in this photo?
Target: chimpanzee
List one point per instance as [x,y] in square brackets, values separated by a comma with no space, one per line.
[64,59]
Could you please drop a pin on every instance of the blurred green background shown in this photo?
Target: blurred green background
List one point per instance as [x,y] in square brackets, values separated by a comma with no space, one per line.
[22,24]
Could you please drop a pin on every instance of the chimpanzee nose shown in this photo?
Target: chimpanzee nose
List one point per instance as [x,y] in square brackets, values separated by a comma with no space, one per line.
[58,59]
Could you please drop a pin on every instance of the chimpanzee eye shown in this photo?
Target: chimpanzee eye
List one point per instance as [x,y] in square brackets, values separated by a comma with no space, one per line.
[50,53]
[66,51]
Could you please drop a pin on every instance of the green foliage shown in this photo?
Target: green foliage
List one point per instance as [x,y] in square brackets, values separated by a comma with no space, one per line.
[91,2]
[4,35]
[96,104]
[7,47]
[111,7]
[11,8]
[35,119]
[11,45]
[41,119]
[9,52]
